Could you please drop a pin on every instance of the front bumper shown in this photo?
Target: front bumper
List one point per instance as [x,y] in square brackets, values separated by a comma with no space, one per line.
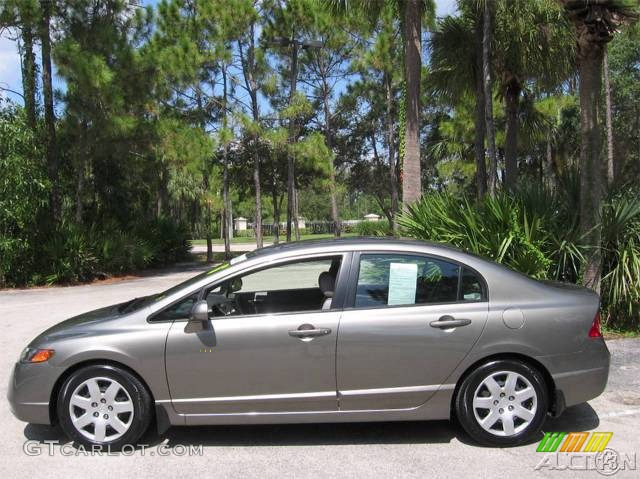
[29,391]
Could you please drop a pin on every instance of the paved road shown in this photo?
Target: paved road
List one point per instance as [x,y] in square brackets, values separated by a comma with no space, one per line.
[388,450]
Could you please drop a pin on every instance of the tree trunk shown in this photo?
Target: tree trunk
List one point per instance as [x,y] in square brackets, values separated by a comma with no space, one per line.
[49,114]
[80,165]
[29,85]
[248,69]
[479,133]
[611,170]
[163,193]
[79,191]
[225,172]
[391,151]
[256,187]
[291,186]
[511,98]
[411,174]
[590,58]
[335,216]
[276,214]
[296,210]
[488,98]
[550,168]
[205,184]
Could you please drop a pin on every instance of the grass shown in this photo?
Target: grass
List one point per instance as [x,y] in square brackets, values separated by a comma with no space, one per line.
[615,333]
[267,239]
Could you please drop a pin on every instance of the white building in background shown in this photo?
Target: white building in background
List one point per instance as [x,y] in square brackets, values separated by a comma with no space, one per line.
[240,224]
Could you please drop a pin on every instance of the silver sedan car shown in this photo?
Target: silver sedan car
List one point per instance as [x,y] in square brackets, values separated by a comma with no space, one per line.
[323,331]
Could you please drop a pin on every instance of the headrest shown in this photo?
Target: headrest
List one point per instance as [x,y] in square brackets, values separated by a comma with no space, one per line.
[327,283]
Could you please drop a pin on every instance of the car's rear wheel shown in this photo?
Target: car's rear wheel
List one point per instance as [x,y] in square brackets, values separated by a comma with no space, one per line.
[502,403]
[104,405]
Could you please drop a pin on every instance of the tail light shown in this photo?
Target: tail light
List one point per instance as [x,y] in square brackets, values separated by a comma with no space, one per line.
[595,331]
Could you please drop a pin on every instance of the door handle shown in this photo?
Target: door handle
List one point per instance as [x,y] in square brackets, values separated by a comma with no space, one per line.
[448,322]
[309,331]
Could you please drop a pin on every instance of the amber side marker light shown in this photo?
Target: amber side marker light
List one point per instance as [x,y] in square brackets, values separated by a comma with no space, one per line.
[595,331]
[37,355]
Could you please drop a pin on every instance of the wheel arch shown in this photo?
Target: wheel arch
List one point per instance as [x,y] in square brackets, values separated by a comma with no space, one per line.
[53,401]
[548,379]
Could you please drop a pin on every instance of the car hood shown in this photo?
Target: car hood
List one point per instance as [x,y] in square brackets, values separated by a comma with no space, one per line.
[83,324]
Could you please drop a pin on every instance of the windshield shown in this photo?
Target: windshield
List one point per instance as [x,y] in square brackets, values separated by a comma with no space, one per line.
[139,303]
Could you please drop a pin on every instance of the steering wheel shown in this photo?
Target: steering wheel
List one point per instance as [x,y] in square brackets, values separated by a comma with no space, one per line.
[222,304]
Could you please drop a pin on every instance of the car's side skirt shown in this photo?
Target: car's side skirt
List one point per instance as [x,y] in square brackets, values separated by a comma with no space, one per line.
[438,407]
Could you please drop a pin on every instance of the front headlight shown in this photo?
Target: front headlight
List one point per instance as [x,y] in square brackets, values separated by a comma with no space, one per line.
[36,355]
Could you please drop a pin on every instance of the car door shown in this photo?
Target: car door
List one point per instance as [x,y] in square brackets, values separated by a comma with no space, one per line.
[277,357]
[409,321]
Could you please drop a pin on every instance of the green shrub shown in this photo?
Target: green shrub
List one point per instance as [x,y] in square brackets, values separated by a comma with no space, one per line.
[243,234]
[536,231]
[16,261]
[67,256]
[119,251]
[621,259]
[168,240]
[24,191]
[373,228]
[500,228]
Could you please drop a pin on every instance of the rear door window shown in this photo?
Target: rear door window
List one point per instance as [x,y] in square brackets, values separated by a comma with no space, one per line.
[397,280]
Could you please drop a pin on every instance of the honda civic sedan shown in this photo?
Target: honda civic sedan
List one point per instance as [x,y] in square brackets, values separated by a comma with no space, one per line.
[323,331]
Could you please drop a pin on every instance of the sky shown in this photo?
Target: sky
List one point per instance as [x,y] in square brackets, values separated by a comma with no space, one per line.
[10,76]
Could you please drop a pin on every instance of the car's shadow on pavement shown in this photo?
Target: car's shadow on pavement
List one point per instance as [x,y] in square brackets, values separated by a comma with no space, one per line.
[413,432]
[577,418]
[581,417]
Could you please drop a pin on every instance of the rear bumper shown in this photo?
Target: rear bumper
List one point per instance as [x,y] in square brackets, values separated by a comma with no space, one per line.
[582,376]
[29,392]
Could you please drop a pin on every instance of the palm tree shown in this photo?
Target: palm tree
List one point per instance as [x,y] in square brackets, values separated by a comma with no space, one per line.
[487,82]
[411,14]
[46,7]
[531,45]
[23,15]
[456,71]
[608,120]
[412,32]
[594,22]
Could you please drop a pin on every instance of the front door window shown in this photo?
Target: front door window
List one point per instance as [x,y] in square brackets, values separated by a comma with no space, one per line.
[301,286]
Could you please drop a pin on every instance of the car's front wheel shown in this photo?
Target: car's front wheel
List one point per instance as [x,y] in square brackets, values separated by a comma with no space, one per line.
[502,403]
[104,405]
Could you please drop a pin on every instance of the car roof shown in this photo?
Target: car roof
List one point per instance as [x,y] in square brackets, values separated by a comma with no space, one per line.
[351,244]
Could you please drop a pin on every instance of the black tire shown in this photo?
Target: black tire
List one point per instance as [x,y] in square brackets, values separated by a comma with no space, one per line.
[140,398]
[466,416]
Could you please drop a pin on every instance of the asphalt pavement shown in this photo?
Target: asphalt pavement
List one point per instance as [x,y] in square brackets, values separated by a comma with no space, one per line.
[389,450]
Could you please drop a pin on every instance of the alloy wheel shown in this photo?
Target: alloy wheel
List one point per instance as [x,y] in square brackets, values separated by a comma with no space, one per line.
[101,409]
[505,403]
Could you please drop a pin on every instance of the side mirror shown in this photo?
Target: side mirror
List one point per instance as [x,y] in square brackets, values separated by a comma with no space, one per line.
[199,311]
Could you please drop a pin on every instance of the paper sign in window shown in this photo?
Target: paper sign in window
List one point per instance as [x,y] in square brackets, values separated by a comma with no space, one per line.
[402,283]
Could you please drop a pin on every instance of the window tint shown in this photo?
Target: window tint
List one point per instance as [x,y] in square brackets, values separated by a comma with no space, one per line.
[300,275]
[472,289]
[389,279]
[179,310]
[290,287]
